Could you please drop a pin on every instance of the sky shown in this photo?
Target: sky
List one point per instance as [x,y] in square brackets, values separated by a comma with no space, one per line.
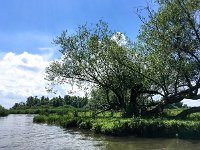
[27,30]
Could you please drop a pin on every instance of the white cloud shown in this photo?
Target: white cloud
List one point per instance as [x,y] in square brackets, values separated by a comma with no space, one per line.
[22,75]
[119,38]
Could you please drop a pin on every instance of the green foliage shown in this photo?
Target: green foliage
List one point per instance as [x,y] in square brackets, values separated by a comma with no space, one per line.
[3,111]
[87,124]
[40,104]
[44,110]
[170,113]
[73,122]
[40,119]
[164,61]
[170,40]
[154,127]
[95,56]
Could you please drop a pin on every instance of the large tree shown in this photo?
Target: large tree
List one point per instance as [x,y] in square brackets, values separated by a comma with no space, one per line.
[171,39]
[92,56]
[164,62]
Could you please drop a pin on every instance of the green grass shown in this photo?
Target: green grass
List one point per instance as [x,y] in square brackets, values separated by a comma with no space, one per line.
[43,110]
[168,113]
[64,110]
[113,124]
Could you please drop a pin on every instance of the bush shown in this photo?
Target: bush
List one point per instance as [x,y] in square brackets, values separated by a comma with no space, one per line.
[70,123]
[3,111]
[85,124]
[40,119]
[53,119]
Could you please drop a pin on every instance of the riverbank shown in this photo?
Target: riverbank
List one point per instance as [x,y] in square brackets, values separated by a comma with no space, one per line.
[43,110]
[3,111]
[117,126]
[26,135]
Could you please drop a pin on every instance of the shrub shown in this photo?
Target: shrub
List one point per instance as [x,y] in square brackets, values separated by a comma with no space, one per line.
[85,124]
[39,119]
[3,111]
[70,123]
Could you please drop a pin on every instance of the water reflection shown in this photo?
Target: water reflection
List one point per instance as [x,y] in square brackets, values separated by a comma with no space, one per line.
[134,143]
[17,132]
[150,144]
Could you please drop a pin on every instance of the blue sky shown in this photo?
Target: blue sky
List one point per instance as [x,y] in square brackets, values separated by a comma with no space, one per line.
[28,27]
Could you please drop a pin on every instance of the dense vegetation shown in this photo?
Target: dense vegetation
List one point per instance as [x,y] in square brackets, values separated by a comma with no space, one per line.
[45,102]
[3,111]
[45,105]
[141,78]
[111,123]
[61,105]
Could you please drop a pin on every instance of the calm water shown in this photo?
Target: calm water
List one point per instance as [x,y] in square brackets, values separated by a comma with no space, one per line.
[17,132]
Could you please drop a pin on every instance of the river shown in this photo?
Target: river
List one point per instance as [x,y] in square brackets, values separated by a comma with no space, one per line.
[18,132]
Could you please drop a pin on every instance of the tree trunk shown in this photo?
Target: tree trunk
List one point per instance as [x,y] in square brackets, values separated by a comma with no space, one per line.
[158,109]
[187,112]
[177,97]
[133,108]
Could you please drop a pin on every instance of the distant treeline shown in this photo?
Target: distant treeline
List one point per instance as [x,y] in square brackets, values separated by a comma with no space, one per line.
[75,101]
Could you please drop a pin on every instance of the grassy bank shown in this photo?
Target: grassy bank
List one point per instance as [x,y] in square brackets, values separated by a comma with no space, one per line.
[43,110]
[117,126]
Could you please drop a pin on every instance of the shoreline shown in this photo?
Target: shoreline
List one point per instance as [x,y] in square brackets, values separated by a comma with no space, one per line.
[138,127]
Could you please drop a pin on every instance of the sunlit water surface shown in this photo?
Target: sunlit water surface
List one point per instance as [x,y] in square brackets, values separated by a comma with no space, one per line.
[18,132]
